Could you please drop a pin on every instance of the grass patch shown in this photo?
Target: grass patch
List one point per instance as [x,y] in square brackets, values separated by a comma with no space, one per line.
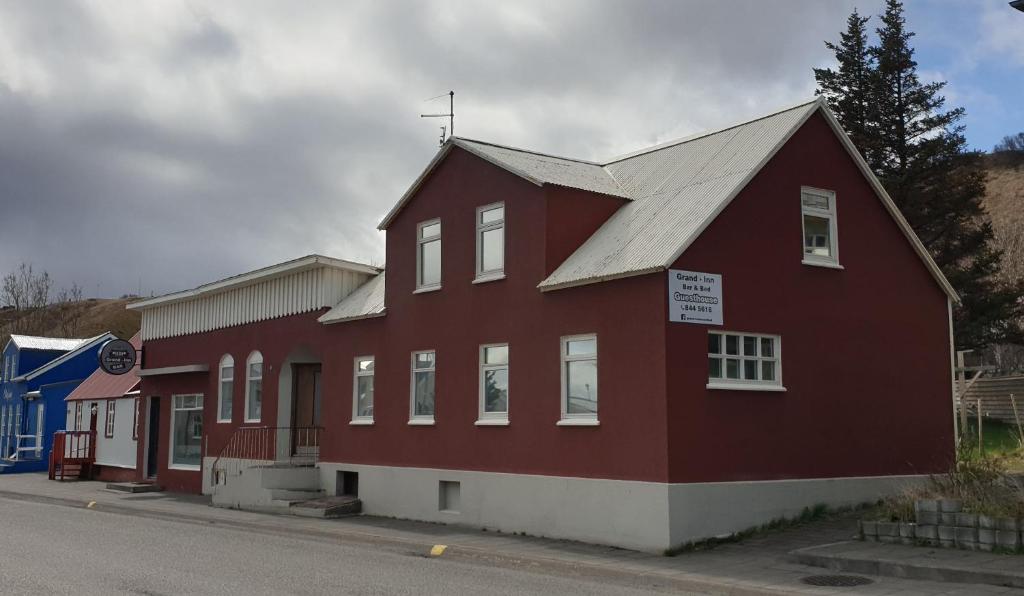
[818,512]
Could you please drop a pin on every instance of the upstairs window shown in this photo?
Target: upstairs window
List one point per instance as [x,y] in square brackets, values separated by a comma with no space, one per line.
[818,209]
[428,255]
[744,361]
[362,387]
[422,406]
[227,388]
[579,379]
[490,242]
[493,384]
[108,427]
[254,387]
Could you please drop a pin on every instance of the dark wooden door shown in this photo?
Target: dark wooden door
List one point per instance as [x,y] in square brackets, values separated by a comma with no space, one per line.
[152,436]
[305,406]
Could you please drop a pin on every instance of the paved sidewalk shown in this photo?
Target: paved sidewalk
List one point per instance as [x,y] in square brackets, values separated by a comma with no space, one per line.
[759,565]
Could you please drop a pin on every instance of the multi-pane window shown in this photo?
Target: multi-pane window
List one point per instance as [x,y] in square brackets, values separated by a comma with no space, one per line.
[579,377]
[818,208]
[490,241]
[423,371]
[226,389]
[362,398]
[743,358]
[135,419]
[494,382]
[108,427]
[186,430]
[78,415]
[428,255]
[254,387]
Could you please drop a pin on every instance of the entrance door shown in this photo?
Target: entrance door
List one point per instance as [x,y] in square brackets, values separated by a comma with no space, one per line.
[152,436]
[305,408]
[94,412]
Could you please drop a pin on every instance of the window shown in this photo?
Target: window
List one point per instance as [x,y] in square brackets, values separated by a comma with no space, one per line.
[186,430]
[428,255]
[493,384]
[744,361]
[422,398]
[819,224]
[108,427]
[579,379]
[490,242]
[78,415]
[362,391]
[135,419]
[226,389]
[253,387]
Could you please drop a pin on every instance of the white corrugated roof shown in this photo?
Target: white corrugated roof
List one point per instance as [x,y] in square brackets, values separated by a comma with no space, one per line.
[366,301]
[675,191]
[31,342]
[678,189]
[84,344]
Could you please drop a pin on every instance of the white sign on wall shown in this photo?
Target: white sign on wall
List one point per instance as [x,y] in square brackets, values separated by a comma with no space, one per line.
[694,297]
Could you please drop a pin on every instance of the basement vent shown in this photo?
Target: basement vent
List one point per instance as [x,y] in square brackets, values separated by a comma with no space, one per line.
[449,496]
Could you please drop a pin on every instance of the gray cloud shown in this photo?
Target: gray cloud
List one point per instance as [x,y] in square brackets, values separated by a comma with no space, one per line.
[167,145]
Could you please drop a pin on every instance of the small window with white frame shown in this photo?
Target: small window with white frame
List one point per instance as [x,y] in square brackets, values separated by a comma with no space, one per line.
[744,361]
[226,389]
[362,391]
[490,242]
[493,384]
[818,213]
[428,255]
[108,426]
[254,387]
[579,379]
[422,392]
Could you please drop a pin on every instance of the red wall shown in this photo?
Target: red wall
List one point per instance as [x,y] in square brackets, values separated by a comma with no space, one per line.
[865,350]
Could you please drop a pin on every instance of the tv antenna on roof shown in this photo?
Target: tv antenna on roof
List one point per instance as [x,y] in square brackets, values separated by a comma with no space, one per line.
[450,115]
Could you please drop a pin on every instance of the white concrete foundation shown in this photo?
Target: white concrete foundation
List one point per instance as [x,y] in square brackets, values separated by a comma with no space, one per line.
[648,516]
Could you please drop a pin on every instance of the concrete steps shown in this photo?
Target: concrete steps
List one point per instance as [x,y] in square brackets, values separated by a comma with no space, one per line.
[282,489]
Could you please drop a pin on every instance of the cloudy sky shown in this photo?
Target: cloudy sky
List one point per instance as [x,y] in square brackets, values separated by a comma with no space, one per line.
[163,144]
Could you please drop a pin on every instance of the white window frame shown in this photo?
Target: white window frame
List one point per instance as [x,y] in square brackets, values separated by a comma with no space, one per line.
[227,361]
[485,418]
[356,375]
[493,274]
[253,356]
[108,422]
[421,419]
[420,241]
[742,384]
[170,441]
[833,228]
[563,347]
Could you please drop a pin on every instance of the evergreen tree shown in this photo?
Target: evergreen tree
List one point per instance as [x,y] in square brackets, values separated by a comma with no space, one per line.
[918,150]
[848,89]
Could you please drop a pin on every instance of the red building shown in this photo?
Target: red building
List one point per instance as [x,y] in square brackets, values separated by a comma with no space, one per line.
[682,342]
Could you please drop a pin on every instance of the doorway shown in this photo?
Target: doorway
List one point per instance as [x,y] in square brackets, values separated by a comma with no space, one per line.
[152,436]
[305,408]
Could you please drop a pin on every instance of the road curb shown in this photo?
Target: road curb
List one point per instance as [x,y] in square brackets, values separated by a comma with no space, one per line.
[469,554]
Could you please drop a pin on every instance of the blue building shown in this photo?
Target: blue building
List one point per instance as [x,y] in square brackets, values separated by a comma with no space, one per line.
[37,374]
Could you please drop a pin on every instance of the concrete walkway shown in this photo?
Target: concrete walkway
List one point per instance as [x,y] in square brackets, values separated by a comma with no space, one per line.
[760,565]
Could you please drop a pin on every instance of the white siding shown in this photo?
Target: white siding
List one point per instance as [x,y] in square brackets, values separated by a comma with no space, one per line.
[298,292]
[120,450]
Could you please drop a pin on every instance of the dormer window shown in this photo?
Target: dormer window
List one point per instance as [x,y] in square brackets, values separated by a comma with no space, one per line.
[818,209]
[490,242]
[428,256]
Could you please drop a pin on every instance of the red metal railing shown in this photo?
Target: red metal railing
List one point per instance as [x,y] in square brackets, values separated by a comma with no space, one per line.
[72,448]
[262,446]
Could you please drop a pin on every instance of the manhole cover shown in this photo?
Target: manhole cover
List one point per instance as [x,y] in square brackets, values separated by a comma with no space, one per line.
[839,581]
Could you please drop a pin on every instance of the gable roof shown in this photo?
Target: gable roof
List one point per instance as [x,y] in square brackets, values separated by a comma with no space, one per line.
[366,301]
[55,344]
[103,385]
[258,275]
[674,191]
[92,342]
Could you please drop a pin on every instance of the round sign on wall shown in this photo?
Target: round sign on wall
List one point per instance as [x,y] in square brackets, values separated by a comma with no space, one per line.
[117,356]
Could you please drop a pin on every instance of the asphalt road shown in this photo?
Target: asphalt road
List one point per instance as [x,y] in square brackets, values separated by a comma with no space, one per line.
[53,549]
